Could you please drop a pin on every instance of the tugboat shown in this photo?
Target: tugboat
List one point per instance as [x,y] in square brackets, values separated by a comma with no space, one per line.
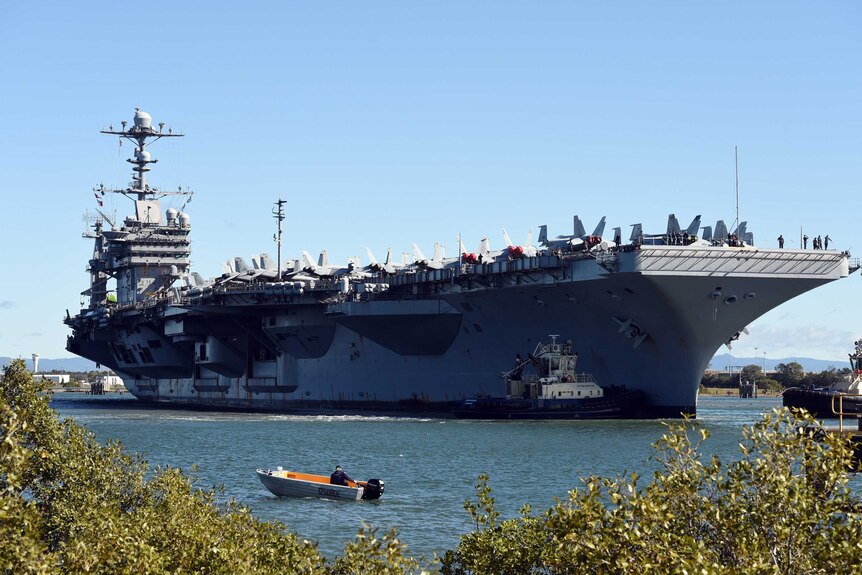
[552,389]
[841,398]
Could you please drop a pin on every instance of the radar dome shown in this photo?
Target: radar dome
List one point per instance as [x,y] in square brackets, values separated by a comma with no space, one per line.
[142,119]
[143,156]
[171,213]
[185,220]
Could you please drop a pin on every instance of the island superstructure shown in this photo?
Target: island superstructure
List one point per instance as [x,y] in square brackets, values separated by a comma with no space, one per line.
[417,336]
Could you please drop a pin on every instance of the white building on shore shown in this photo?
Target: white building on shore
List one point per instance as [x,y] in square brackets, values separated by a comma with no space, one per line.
[55,378]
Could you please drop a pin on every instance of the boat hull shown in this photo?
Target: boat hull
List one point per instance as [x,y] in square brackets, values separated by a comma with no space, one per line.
[621,406]
[650,322]
[823,403]
[292,484]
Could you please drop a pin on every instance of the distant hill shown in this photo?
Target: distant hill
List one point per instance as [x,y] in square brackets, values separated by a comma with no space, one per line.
[66,364]
[721,361]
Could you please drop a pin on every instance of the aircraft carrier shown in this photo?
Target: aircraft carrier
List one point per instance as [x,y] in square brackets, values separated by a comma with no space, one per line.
[416,336]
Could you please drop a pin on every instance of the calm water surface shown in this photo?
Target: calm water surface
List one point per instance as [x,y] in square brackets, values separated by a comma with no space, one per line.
[430,466]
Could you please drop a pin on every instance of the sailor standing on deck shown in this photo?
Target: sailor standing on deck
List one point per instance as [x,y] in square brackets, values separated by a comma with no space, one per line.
[338,477]
[780,242]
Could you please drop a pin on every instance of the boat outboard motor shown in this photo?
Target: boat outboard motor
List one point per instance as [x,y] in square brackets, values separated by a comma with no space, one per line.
[373,489]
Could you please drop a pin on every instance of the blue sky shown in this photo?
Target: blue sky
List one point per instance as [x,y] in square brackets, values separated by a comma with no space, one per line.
[388,123]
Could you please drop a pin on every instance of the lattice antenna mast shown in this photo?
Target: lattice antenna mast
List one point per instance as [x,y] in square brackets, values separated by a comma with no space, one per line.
[141,131]
[278,214]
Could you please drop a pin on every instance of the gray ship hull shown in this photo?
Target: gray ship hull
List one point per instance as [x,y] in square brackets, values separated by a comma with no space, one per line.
[421,336]
[648,318]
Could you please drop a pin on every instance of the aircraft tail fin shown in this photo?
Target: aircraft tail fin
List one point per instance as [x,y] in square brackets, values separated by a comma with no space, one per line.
[323,259]
[720,232]
[672,224]
[371,257]
[743,234]
[506,239]
[618,236]
[418,255]
[439,252]
[198,280]
[579,231]
[707,233]
[637,233]
[240,264]
[740,229]
[529,243]
[694,226]
[388,257]
[484,246]
[267,263]
[600,228]
[306,259]
[461,248]
[543,235]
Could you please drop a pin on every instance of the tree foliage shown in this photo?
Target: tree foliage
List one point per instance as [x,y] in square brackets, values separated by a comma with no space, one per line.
[785,375]
[71,505]
[789,374]
[784,507]
[751,372]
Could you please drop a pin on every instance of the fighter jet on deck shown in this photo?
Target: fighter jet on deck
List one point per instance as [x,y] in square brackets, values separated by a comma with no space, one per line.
[575,241]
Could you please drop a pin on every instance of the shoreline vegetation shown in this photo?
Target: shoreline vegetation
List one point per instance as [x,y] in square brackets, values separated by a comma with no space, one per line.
[71,505]
[729,392]
[768,383]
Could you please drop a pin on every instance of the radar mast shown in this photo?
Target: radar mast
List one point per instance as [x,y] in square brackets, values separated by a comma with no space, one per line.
[142,130]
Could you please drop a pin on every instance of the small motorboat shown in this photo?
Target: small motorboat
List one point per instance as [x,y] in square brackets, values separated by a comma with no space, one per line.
[553,391]
[286,483]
